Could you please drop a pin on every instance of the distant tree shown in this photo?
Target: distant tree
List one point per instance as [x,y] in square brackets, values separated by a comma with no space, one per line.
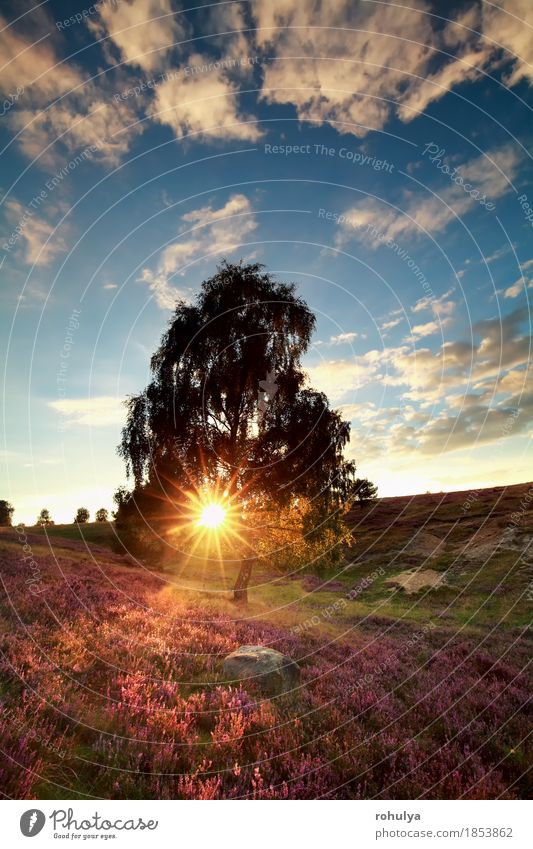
[120,497]
[82,516]
[364,491]
[6,513]
[44,517]
[101,515]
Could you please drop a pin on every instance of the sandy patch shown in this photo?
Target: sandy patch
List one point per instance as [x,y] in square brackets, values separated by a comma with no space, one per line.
[425,545]
[413,580]
[485,544]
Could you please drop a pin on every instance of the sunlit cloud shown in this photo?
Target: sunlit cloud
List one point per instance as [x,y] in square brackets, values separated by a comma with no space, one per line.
[462,395]
[207,231]
[101,411]
[61,109]
[439,306]
[509,25]
[370,62]
[144,32]
[206,102]
[33,235]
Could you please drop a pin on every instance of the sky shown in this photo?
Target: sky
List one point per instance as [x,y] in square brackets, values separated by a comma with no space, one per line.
[377,154]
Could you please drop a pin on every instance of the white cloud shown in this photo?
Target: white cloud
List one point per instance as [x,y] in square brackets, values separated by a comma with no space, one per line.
[34,66]
[83,115]
[420,331]
[510,25]
[341,62]
[144,31]
[460,38]
[343,338]
[388,325]
[83,120]
[498,254]
[515,289]
[520,285]
[440,306]
[101,411]
[339,339]
[426,212]
[204,102]
[354,65]
[35,233]
[461,394]
[215,232]
[229,20]
[436,85]
[340,379]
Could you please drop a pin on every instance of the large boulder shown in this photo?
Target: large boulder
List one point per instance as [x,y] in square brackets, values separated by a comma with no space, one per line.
[266,668]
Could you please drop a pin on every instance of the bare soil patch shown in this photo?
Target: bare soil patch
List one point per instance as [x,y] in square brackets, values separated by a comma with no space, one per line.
[414,580]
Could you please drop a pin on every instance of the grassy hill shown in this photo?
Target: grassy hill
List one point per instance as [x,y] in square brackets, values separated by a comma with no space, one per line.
[111,680]
[93,533]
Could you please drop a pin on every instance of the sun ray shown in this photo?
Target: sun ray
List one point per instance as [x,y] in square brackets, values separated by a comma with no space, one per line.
[213,515]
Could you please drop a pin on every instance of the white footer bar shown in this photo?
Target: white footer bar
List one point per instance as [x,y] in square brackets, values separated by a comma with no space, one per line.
[268,825]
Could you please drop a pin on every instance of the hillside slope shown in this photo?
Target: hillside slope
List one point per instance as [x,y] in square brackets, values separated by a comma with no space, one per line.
[111,681]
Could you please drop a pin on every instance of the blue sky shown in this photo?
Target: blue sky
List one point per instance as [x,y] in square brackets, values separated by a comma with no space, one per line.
[376,154]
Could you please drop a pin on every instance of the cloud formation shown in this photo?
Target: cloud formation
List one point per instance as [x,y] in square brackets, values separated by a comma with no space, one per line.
[429,212]
[100,411]
[208,232]
[35,233]
[461,395]
[509,26]
[203,102]
[351,64]
[355,65]
[144,32]
[60,110]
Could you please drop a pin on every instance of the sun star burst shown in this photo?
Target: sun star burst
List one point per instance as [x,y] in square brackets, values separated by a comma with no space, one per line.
[212,516]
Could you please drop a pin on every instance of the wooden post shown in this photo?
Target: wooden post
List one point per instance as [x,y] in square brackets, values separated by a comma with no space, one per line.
[240,591]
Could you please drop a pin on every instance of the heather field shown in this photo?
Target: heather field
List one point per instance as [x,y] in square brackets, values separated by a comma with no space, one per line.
[111,683]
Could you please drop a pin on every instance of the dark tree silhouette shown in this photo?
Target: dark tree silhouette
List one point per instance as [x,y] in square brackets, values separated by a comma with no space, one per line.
[364,491]
[82,516]
[6,513]
[228,408]
[101,515]
[44,517]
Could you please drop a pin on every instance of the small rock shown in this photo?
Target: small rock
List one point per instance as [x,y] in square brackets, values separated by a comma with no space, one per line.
[267,668]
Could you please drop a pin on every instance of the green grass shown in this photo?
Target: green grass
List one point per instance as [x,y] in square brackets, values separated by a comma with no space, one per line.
[288,603]
[392,525]
[467,600]
[95,533]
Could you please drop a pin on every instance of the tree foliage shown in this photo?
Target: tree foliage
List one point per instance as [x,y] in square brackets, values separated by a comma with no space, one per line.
[101,515]
[6,513]
[82,516]
[364,491]
[228,407]
[44,518]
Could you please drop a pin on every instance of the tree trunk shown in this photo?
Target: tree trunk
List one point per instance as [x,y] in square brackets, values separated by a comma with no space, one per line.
[240,591]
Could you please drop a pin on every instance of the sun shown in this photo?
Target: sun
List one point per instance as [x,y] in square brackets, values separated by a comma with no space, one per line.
[213,515]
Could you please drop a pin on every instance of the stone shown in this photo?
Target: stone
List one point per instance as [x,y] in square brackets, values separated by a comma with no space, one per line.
[270,670]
